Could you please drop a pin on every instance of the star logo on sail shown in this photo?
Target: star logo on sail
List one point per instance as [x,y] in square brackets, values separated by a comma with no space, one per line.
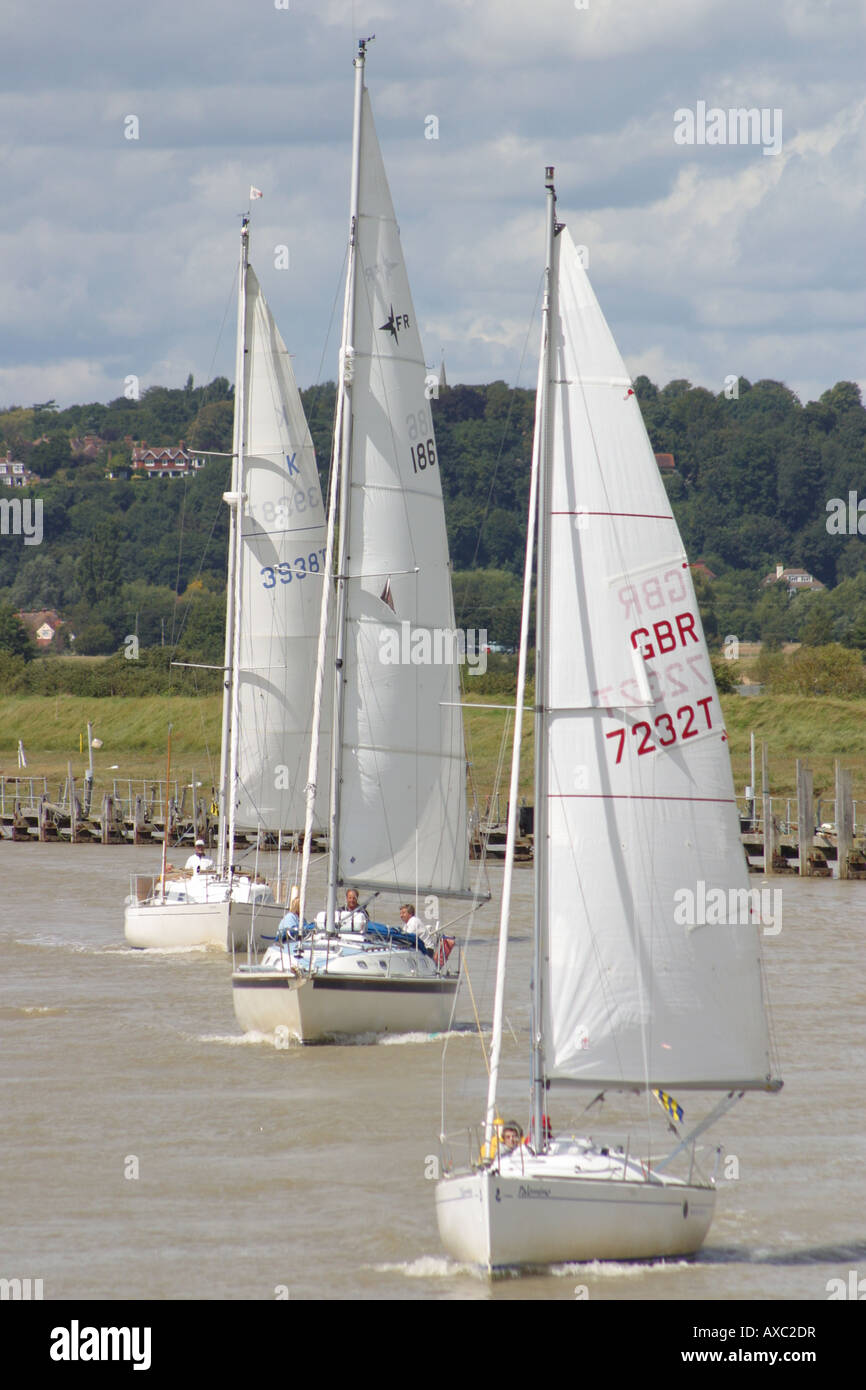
[394,323]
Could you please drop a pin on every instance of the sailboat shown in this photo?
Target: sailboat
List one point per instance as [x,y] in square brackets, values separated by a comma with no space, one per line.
[397,766]
[275,571]
[635,817]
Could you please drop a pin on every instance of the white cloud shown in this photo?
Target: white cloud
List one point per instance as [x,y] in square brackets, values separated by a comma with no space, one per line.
[122,252]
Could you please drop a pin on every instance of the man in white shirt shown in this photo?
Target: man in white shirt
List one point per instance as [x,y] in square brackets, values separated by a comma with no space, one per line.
[425,934]
[353,917]
[198,862]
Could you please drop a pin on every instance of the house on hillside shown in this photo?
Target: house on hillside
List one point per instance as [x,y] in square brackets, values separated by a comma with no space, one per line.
[796,580]
[665,463]
[14,474]
[700,568]
[165,462]
[88,446]
[43,626]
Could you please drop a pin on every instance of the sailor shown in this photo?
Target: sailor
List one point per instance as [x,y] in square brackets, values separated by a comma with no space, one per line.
[198,862]
[353,917]
[512,1136]
[424,934]
[290,926]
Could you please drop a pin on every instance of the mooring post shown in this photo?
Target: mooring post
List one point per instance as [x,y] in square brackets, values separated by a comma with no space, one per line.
[767,801]
[70,782]
[844,819]
[805,818]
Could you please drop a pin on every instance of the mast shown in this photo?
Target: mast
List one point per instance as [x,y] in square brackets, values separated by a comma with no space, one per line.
[324,617]
[536,474]
[343,465]
[231,697]
[167,819]
[542,657]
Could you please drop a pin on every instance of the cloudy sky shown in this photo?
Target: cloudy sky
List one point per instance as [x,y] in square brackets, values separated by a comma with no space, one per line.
[710,259]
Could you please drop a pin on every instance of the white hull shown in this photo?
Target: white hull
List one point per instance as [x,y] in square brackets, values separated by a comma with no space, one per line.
[544,1215]
[227,925]
[340,1002]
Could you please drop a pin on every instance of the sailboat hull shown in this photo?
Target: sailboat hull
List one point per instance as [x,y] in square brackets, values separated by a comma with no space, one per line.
[326,1006]
[497,1221]
[225,925]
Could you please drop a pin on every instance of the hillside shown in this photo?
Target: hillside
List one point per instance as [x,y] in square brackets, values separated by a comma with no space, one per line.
[759,480]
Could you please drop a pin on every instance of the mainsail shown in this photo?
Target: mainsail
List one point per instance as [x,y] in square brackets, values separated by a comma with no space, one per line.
[402,814]
[639,808]
[283,532]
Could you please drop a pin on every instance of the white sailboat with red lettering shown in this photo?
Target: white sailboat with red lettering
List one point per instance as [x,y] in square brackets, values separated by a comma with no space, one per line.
[275,569]
[634,812]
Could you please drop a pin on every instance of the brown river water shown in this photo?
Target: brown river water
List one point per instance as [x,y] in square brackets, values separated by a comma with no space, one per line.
[308,1170]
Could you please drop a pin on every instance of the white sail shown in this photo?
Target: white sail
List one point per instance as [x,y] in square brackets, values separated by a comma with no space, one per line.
[641,822]
[283,523]
[403,801]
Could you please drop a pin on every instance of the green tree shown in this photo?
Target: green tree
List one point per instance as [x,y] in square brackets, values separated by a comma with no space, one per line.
[14,638]
[98,570]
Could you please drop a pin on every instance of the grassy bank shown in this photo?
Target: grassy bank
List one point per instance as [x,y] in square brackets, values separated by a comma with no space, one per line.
[133,733]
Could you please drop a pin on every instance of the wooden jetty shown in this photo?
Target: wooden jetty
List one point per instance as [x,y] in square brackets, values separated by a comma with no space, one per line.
[134,812]
[832,845]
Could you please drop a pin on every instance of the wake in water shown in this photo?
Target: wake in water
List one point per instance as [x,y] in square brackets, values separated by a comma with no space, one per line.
[442,1267]
[460,1030]
[32,1011]
[429,1267]
[241,1040]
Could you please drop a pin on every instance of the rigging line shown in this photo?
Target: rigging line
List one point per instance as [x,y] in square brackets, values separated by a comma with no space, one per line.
[480,875]
[465,970]
[205,549]
[179,558]
[341,280]
[529,330]
[230,300]
[206,744]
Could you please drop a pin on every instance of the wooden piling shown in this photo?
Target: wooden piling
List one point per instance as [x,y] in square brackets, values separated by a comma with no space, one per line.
[844,819]
[767,813]
[805,818]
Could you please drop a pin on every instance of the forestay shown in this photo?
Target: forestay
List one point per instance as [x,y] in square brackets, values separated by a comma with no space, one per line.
[640,793]
[281,575]
[403,801]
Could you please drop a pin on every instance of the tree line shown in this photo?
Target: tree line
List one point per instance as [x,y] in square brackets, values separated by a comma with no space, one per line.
[759,479]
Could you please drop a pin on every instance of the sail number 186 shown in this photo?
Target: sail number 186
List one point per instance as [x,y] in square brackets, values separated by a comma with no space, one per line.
[423,450]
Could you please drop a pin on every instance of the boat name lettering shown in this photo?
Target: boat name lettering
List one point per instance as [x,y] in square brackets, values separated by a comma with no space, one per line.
[662,682]
[666,639]
[667,733]
[533,1191]
[651,592]
[299,568]
[277,512]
